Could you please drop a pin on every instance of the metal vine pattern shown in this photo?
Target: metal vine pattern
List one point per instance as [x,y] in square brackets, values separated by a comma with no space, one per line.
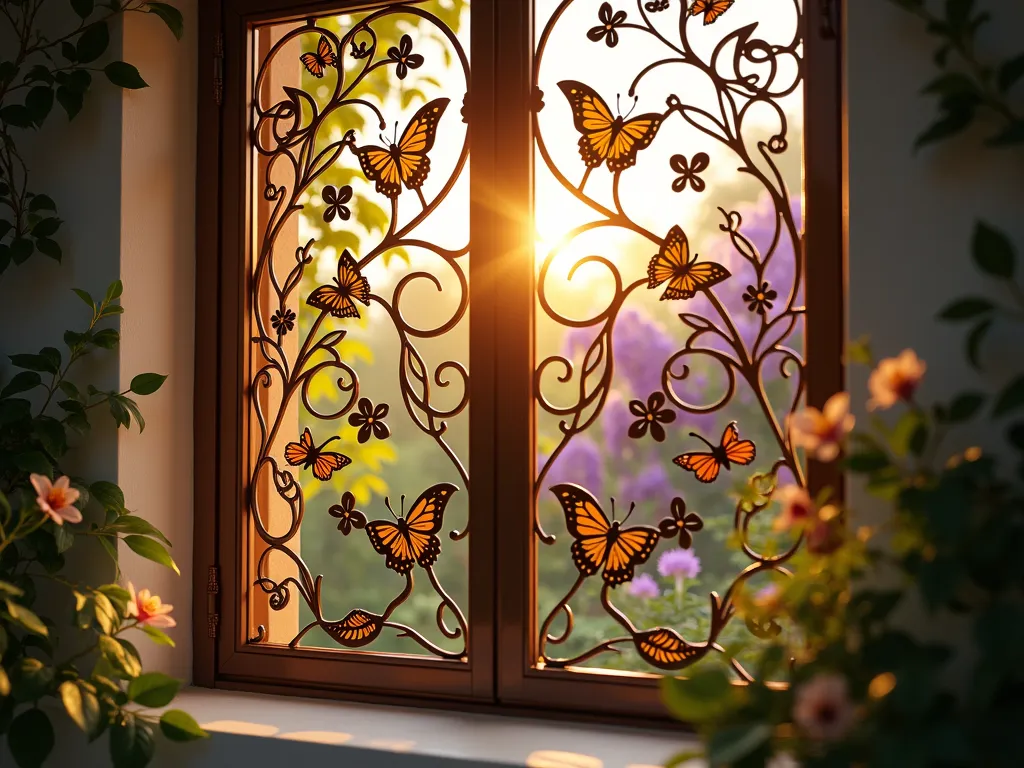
[295,140]
[726,85]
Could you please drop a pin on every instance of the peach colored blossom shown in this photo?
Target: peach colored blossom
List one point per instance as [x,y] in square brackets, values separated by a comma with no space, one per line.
[825,533]
[895,379]
[797,507]
[823,709]
[822,432]
[57,499]
[147,608]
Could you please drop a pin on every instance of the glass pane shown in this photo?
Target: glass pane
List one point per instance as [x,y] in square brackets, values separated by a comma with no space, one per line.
[358,428]
[669,322]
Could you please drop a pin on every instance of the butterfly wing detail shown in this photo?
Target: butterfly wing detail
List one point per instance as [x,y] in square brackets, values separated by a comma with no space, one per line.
[634,135]
[417,141]
[737,451]
[592,119]
[357,629]
[300,452]
[664,648]
[704,465]
[388,540]
[587,524]
[313,64]
[685,276]
[327,463]
[630,548]
[379,166]
[425,519]
[712,9]
[316,63]
[337,299]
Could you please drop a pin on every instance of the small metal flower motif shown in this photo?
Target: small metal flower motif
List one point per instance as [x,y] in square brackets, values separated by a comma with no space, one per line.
[760,299]
[346,512]
[283,321]
[335,200]
[404,57]
[651,417]
[688,171]
[607,29]
[536,99]
[370,420]
[654,6]
[359,51]
[682,522]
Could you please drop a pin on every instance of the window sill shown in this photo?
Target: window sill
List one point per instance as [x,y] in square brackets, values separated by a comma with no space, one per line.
[254,729]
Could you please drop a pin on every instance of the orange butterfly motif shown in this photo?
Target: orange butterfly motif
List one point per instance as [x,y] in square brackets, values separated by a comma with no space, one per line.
[405,161]
[706,466]
[606,138]
[311,456]
[665,648]
[684,275]
[316,63]
[349,284]
[357,629]
[412,538]
[712,9]
[599,543]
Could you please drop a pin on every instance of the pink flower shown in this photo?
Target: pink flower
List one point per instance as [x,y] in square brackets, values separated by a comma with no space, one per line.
[823,709]
[643,586]
[768,598]
[822,432]
[57,499]
[679,563]
[147,608]
[895,378]
[797,507]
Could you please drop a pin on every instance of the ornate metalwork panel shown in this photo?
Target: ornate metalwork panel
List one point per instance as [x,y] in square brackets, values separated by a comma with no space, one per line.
[358,341]
[669,322]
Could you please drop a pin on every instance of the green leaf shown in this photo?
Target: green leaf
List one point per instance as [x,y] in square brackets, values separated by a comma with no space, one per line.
[865,462]
[108,494]
[124,75]
[5,684]
[131,742]
[993,251]
[21,382]
[1011,72]
[81,705]
[64,537]
[30,738]
[953,123]
[93,42]
[84,296]
[147,383]
[119,658]
[180,726]
[50,433]
[151,550]
[171,16]
[41,203]
[46,227]
[965,407]
[730,745]
[131,524]
[70,100]
[703,698]
[14,410]
[82,7]
[30,678]
[16,115]
[965,309]
[33,461]
[21,249]
[1011,398]
[158,636]
[40,363]
[153,689]
[39,102]
[50,248]
[974,339]
[1013,133]
[108,338]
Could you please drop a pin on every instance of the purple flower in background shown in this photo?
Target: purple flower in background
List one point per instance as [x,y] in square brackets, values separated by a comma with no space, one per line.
[578,340]
[615,421]
[642,346]
[580,463]
[679,563]
[643,586]
[652,484]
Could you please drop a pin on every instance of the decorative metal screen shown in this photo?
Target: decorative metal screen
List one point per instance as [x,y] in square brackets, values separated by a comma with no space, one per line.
[669,321]
[358,340]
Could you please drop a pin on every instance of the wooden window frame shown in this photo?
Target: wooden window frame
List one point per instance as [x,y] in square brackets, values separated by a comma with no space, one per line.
[498,675]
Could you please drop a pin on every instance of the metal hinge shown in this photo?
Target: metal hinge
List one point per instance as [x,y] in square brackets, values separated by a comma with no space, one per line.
[212,611]
[218,69]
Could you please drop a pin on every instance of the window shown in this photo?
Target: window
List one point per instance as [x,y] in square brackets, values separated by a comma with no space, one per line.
[503,303]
